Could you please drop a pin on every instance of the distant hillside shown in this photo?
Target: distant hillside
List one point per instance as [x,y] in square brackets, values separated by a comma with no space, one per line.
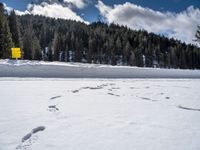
[43,38]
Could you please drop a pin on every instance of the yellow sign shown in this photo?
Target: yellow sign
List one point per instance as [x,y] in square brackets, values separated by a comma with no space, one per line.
[16,53]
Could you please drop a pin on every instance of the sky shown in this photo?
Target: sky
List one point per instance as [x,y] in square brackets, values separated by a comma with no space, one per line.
[173,18]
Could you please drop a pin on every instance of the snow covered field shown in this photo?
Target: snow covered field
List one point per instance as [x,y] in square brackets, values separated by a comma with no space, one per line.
[99,114]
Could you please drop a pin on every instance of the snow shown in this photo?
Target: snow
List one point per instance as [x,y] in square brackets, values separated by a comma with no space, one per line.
[99,114]
[74,106]
[39,69]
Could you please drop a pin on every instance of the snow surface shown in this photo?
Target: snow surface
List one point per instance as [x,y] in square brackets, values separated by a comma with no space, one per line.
[23,68]
[99,114]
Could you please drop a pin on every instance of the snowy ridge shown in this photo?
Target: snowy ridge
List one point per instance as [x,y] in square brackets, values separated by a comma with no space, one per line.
[25,68]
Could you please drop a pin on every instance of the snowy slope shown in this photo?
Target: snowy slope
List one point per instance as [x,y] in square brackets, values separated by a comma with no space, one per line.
[24,68]
[94,114]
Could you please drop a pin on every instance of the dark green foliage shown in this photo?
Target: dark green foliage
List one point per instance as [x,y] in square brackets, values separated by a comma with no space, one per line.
[15,29]
[198,34]
[31,44]
[65,40]
[5,35]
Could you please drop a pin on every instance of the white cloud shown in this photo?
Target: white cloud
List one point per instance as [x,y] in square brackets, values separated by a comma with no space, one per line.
[7,8]
[77,3]
[55,11]
[181,25]
[20,13]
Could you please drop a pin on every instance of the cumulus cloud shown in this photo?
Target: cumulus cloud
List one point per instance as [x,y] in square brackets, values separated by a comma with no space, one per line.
[20,13]
[7,8]
[54,10]
[77,3]
[181,26]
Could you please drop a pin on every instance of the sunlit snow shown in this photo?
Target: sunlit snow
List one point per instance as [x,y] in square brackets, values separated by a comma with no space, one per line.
[99,114]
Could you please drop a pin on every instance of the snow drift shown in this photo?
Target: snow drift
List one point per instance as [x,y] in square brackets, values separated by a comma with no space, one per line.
[40,69]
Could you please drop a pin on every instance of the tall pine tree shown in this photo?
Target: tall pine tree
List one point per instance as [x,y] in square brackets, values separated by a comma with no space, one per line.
[15,29]
[31,44]
[5,35]
[198,34]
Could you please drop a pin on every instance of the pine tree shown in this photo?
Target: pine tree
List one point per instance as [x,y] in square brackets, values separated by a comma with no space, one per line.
[132,60]
[56,46]
[173,57]
[91,47]
[198,34]
[2,18]
[78,49]
[7,42]
[98,43]
[43,37]
[5,36]
[15,29]
[126,51]
[31,44]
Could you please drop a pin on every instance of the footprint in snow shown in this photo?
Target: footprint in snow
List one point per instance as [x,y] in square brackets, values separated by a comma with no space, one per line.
[133,88]
[53,108]
[113,94]
[75,91]
[147,99]
[55,97]
[115,88]
[90,88]
[187,108]
[30,138]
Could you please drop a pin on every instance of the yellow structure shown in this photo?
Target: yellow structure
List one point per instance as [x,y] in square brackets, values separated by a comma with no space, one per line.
[16,53]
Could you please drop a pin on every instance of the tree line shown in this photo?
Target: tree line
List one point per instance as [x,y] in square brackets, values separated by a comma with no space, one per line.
[49,39]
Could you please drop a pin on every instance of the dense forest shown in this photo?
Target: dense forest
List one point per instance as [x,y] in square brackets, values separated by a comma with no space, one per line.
[42,38]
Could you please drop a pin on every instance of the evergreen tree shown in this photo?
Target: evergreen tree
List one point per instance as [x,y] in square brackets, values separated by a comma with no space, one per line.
[78,49]
[132,60]
[91,47]
[56,46]
[126,51]
[198,34]
[7,42]
[5,36]
[15,29]
[67,40]
[31,44]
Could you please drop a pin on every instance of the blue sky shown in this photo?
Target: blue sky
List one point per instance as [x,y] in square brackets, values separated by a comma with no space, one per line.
[173,18]
[91,13]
